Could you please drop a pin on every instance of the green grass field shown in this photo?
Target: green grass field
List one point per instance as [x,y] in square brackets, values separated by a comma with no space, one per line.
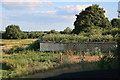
[30,63]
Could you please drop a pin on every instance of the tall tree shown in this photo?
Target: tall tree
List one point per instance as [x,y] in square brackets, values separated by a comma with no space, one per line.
[115,22]
[13,32]
[92,16]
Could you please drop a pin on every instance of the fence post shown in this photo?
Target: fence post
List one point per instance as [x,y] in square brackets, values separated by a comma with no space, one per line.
[57,52]
[71,53]
[67,53]
[61,58]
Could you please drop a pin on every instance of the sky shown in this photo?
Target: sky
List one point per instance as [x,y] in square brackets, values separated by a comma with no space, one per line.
[35,15]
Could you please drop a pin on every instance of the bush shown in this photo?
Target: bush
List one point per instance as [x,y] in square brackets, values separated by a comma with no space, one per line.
[108,38]
[108,63]
[34,35]
[24,36]
[95,38]
[35,45]
[113,31]
[111,62]
[53,32]
[66,31]
[15,49]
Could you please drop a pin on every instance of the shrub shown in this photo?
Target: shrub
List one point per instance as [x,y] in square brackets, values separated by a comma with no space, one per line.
[108,38]
[115,31]
[24,36]
[15,49]
[35,45]
[53,32]
[66,31]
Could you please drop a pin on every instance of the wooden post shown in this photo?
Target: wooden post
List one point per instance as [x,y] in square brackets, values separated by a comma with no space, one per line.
[67,52]
[57,52]
[61,58]
[71,53]
[109,53]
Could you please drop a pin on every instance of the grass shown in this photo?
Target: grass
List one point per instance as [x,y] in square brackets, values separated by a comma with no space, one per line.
[8,43]
[29,62]
[17,42]
[66,68]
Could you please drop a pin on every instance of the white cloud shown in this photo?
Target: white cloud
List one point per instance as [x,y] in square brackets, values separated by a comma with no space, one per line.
[72,8]
[81,7]
[21,4]
[39,15]
[45,12]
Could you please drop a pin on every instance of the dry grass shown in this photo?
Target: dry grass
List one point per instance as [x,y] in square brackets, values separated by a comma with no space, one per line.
[77,58]
[68,69]
[9,43]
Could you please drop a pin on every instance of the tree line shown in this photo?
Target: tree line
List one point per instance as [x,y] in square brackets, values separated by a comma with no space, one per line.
[89,21]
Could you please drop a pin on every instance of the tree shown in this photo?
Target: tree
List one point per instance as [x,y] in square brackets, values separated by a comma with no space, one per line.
[13,32]
[92,16]
[53,32]
[115,22]
[67,30]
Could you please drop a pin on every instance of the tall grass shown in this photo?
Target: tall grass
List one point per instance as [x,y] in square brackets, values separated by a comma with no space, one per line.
[28,61]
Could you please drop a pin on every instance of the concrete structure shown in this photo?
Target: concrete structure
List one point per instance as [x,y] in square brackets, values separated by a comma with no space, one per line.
[119,9]
[90,46]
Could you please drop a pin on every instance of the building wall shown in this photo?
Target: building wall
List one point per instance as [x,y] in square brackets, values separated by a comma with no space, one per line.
[76,46]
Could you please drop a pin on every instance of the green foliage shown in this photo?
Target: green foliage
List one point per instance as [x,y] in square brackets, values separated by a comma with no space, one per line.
[115,22]
[53,32]
[113,31]
[67,31]
[24,36]
[15,49]
[93,16]
[35,45]
[7,66]
[118,49]
[112,62]
[63,38]
[33,35]
[108,63]
[76,38]
[13,32]
[27,62]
